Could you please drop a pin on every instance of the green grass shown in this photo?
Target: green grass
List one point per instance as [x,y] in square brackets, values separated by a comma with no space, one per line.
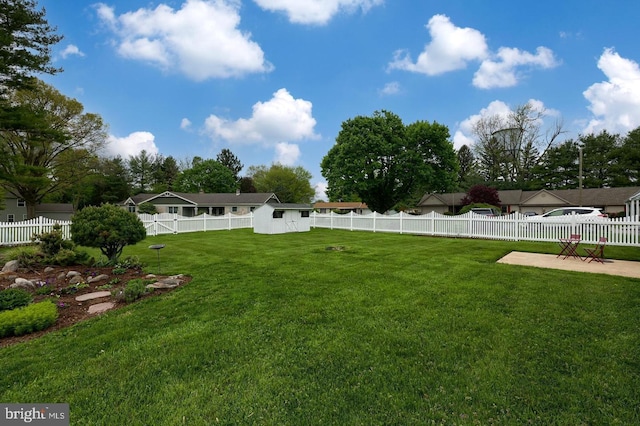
[394,329]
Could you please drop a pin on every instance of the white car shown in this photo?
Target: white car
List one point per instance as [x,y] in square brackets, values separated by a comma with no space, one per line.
[583,212]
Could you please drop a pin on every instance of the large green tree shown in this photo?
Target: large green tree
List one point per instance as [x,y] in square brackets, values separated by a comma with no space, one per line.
[384,162]
[627,169]
[558,168]
[599,159]
[48,146]
[290,184]
[230,161]
[206,176]
[25,44]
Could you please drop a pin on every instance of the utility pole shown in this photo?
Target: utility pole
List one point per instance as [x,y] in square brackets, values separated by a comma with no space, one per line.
[580,175]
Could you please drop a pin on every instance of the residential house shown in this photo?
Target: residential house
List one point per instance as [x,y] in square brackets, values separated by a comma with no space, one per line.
[282,218]
[611,200]
[189,205]
[15,210]
[342,207]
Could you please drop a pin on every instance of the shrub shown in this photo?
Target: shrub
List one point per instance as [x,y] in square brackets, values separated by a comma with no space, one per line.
[134,290]
[108,227]
[28,319]
[12,298]
[147,208]
[52,242]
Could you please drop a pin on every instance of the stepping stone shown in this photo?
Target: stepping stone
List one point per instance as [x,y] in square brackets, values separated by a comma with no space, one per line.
[94,295]
[101,307]
[160,285]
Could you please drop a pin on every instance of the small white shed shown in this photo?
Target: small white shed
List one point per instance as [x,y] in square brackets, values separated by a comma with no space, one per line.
[280,218]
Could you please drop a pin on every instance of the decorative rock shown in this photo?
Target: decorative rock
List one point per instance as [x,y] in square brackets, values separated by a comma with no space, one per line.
[101,307]
[160,285]
[22,283]
[149,276]
[73,274]
[97,278]
[76,279]
[11,266]
[171,281]
[94,295]
[61,276]
[48,269]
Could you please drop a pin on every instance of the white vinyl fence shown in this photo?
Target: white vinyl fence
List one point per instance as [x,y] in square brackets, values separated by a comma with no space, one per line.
[15,233]
[620,231]
[515,227]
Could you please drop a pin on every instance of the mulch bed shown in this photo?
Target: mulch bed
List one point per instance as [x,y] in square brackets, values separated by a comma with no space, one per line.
[64,294]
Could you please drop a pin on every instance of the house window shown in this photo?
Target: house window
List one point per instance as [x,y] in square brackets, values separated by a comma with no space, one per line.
[304,213]
[217,211]
[252,209]
[278,214]
[10,218]
[132,208]
[21,203]
[234,209]
[172,209]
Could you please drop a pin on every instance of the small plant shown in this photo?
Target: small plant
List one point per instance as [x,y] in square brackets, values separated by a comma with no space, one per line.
[13,298]
[73,288]
[44,289]
[105,286]
[52,242]
[119,271]
[28,319]
[134,290]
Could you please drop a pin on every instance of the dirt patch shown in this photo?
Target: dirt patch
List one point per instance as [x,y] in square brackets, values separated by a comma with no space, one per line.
[54,284]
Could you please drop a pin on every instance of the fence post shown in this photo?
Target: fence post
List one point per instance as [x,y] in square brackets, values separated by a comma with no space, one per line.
[401,213]
[374,221]
[351,220]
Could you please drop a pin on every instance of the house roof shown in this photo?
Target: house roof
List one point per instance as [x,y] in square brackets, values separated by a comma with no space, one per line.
[292,206]
[54,208]
[340,205]
[201,199]
[597,197]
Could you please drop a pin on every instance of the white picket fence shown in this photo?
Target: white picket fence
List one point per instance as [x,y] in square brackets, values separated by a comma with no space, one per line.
[515,227]
[16,233]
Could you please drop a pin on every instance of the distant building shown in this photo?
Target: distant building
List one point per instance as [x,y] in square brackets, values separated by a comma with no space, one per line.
[342,207]
[15,210]
[186,204]
[611,200]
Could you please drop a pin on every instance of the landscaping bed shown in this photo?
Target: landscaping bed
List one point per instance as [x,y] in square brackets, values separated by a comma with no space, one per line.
[55,283]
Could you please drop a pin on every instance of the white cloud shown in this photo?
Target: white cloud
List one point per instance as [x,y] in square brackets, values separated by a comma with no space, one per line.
[392,88]
[185,124]
[71,50]
[316,12]
[503,70]
[201,40]
[280,119]
[451,48]
[464,133]
[287,154]
[321,191]
[131,145]
[615,103]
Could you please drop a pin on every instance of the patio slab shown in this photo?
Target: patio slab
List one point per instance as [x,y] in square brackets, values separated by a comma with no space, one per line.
[623,268]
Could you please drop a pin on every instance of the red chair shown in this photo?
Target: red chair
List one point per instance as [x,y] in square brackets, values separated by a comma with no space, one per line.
[596,253]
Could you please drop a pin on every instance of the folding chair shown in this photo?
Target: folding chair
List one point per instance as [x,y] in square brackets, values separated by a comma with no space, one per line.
[596,253]
[569,245]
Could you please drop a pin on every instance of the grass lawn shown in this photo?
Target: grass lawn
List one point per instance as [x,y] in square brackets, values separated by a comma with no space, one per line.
[394,329]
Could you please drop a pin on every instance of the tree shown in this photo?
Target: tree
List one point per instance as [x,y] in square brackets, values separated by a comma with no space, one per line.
[48,145]
[385,163]
[230,161]
[108,227]
[25,44]
[481,194]
[599,162]
[246,185]
[627,170]
[206,176]
[509,147]
[290,184]
[165,172]
[142,170]
[558,168]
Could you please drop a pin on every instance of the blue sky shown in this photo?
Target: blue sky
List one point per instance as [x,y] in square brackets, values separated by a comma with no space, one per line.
[273,80]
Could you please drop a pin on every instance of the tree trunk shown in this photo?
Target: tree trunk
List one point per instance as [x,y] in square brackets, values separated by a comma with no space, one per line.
[31,210]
